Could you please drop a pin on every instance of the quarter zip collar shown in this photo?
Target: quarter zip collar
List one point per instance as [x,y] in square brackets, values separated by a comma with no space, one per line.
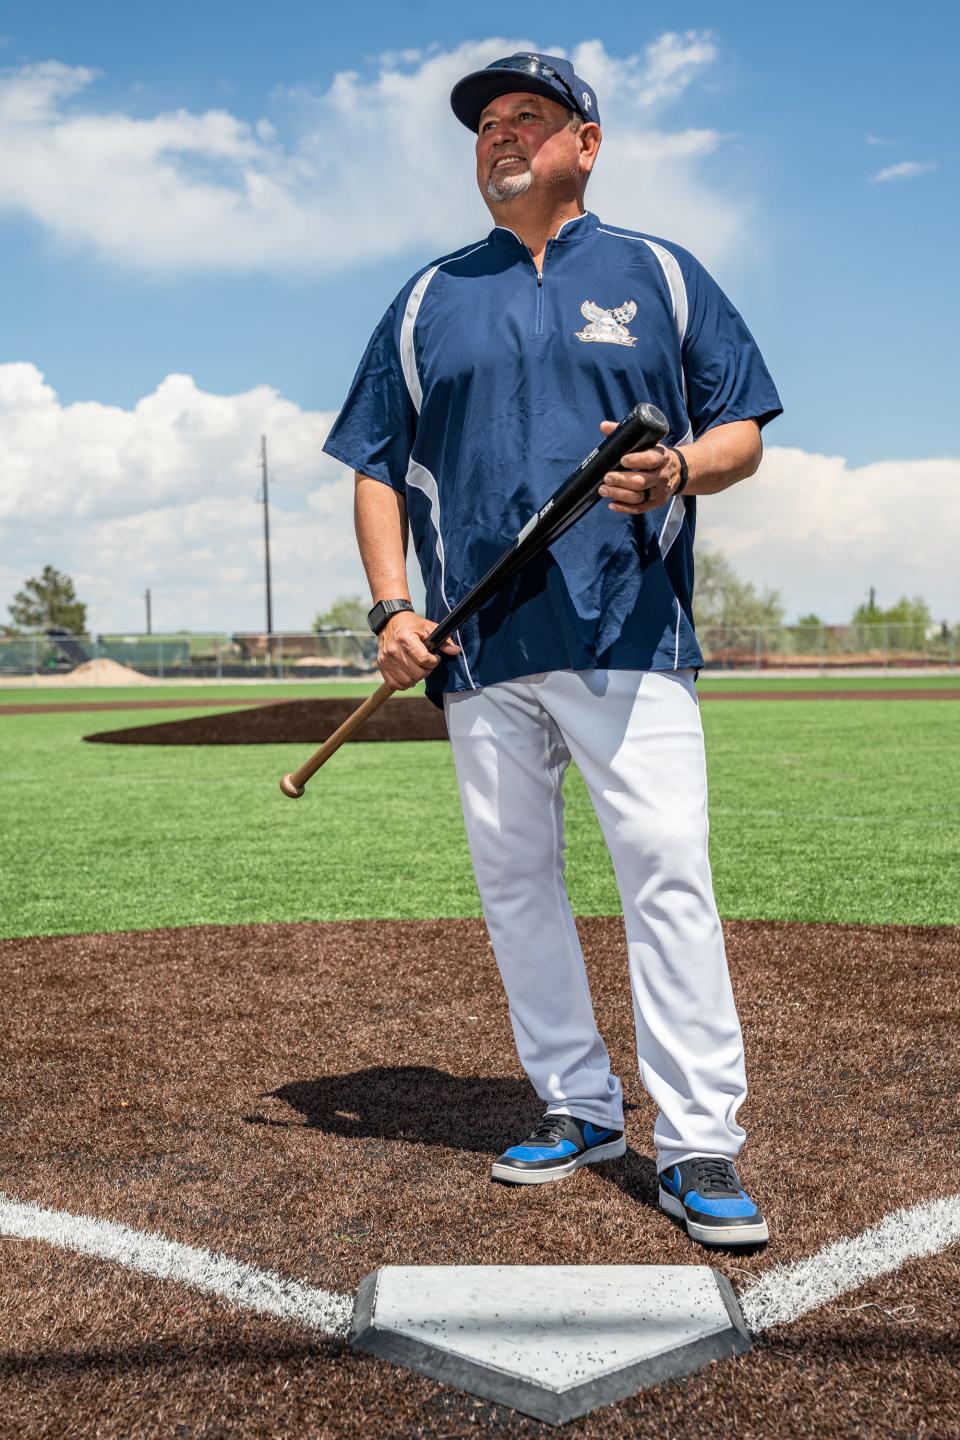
[579,227]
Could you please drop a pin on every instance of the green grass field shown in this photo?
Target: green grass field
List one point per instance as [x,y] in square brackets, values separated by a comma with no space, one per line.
[841,812]
[292,690]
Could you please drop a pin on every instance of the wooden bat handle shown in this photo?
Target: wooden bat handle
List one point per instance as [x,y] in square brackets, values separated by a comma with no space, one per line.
[293,785]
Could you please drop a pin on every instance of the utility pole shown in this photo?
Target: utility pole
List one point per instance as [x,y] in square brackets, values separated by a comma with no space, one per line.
[266,545]
[147,598]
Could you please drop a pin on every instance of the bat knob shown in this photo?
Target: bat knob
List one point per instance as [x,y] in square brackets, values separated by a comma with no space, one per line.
[290,789]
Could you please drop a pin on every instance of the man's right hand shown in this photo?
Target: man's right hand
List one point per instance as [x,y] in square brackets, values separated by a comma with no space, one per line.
[403,658]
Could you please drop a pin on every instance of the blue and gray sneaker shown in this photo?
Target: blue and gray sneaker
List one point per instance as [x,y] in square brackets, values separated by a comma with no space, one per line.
[559,1145]
[705,1193]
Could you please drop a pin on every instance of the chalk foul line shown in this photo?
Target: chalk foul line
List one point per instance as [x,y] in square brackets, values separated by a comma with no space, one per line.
[247,1286]
[783,1294]
[786,1292]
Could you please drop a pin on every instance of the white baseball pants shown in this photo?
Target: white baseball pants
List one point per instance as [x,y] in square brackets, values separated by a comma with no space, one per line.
[637,741]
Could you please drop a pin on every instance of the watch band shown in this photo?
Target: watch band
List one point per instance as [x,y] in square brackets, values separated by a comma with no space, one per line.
[684,472]
[382,612]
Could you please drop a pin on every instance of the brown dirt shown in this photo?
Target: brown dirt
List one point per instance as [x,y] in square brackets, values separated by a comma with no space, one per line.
[323,1099]
[306,721]
[104,672]
[401,718]
[62,708]
[899,694]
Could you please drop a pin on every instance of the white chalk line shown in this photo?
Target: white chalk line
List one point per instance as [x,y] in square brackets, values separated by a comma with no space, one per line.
[783,1294]
[248,1286]
[786,1292]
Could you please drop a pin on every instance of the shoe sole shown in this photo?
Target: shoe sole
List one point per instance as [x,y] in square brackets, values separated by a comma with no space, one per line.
[755,1234]
[611,1151]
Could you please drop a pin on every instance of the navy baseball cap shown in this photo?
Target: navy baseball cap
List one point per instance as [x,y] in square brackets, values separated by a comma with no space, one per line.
[547,75]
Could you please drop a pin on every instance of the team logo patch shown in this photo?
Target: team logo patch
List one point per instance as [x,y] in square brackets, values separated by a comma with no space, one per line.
[609,326]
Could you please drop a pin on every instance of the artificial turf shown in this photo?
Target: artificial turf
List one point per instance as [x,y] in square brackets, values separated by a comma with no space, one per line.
[324,1100]
[840,811]
[27,694]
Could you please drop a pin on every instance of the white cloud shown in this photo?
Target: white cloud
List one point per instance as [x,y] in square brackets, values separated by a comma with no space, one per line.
[906,170]
[373,166]
[164,495]
[822,531]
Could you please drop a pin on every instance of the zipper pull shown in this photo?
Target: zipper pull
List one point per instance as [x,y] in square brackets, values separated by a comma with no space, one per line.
[539,277]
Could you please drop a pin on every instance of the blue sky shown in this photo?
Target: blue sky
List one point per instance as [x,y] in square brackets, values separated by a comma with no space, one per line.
[845,279]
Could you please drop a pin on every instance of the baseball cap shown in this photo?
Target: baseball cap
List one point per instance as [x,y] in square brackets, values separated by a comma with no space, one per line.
[548,75]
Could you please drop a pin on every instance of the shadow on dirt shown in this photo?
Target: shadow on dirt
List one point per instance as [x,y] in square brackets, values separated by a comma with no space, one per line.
[420,1105]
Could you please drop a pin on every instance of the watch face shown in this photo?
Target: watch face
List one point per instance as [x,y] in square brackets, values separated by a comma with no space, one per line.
[382,612]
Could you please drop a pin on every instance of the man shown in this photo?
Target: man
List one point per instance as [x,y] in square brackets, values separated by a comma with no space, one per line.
[484,384]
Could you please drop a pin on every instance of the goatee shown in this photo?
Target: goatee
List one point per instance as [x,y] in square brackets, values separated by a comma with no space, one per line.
[508,187]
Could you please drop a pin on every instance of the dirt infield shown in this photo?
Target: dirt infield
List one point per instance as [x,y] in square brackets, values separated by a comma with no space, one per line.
[306,721]
[891,694]
[401,718]
[322,1099]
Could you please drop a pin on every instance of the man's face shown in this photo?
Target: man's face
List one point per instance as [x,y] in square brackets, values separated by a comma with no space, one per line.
[524,142]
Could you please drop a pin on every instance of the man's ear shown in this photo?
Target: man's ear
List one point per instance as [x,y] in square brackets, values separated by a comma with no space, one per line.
[589,136]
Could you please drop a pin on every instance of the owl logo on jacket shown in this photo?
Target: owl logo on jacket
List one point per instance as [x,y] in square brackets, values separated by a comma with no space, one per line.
[608,326]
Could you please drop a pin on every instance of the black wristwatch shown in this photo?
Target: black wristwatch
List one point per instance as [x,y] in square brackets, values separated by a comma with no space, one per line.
[382,612]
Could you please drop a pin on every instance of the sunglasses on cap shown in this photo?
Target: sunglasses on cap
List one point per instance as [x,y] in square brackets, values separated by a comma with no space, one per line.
[530,65]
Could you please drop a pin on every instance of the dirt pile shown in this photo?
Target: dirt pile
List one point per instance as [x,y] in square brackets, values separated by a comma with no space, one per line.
[307,722]
[104,672]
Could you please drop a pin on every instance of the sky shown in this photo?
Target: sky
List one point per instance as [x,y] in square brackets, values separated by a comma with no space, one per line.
[205,209]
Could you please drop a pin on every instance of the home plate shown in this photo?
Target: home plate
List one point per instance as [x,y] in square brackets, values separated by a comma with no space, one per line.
[554,1341]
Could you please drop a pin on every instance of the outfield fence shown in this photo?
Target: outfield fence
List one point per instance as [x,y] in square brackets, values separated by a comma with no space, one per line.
[340,654]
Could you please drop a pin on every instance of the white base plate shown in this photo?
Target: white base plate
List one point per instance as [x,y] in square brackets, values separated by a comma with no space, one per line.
[554,1341]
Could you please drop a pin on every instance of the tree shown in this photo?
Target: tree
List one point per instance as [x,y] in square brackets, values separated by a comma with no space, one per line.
[911,617]
[810,622]
[349,612]
[904,612]
[722,598]
[48,601]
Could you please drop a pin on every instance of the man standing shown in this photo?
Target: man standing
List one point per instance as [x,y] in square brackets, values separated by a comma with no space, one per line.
[486,380]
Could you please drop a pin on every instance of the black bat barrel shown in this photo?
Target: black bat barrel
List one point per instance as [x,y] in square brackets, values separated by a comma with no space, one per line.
[640,430]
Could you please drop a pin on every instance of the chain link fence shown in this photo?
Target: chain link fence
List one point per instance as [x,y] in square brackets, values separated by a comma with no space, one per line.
[345,654]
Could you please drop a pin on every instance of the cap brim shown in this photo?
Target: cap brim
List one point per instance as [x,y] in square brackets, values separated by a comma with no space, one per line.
[471,95]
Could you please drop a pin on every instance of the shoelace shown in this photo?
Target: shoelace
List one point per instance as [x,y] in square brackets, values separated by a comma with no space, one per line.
[716,1177]
[549,1130]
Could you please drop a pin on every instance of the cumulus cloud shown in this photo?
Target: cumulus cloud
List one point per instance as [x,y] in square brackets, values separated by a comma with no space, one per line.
[164,494]
[905,170]
[372,166]
[823,531]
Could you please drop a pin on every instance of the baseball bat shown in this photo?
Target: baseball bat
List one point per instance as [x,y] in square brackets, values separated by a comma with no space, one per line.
[640,430]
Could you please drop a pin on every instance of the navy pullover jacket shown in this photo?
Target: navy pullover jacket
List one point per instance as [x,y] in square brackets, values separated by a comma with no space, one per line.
[484,386]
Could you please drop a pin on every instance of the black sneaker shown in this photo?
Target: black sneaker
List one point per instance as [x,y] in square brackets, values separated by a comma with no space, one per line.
[559,1145]
[705,1192]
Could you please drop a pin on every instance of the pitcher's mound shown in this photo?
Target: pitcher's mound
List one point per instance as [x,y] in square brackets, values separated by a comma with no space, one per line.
[306,722]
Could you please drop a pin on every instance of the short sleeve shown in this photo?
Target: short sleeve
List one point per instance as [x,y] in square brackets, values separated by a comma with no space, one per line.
[375,429]
[726,376]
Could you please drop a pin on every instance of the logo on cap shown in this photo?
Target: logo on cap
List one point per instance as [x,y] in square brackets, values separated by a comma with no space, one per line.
[586,101]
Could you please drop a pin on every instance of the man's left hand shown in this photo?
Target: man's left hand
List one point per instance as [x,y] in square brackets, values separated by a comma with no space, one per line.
[646,478]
